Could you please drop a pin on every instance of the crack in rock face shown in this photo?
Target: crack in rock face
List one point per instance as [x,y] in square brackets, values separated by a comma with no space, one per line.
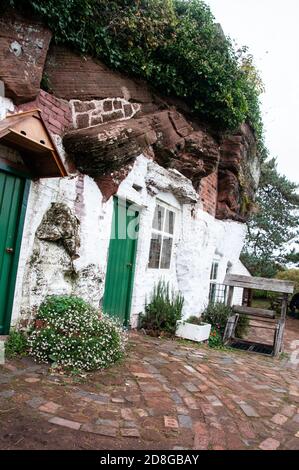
[59,224]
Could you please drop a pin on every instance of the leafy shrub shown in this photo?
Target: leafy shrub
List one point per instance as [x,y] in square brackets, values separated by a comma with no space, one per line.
[290,275]
[174,44]
[71,333]
[218,313]
[215,338]
[16,344]
[163,311]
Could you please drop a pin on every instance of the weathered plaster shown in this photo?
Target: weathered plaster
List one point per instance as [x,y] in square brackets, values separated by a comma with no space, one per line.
[46,267]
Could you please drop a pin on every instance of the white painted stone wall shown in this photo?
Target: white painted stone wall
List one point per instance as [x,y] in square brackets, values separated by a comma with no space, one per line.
[44,265]
[197,237]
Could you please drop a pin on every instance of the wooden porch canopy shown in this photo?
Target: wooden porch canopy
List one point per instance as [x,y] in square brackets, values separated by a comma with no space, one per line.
[262,318]
[27,133]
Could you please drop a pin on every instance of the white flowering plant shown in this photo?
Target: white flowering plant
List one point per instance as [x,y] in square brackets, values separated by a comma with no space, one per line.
[70,332]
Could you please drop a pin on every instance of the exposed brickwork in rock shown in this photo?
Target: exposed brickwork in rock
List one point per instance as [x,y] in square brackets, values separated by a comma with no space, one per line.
[23,49]
[91,113]
[68,72]
[55,112]
[208,193]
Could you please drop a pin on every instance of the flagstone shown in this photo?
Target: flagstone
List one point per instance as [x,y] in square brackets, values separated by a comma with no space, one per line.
[249,410]
[170,422]
[128,432]
[269,444]
[185,421]
[7,393]
[127,414]
[228,402]
[65,423]
[49,407]
[279,419]
[102,430]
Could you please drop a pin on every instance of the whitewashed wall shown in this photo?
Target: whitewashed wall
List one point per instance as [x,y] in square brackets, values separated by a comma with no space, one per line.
[197,237]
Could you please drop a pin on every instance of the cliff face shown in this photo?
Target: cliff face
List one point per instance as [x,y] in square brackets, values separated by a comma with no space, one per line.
[116,118]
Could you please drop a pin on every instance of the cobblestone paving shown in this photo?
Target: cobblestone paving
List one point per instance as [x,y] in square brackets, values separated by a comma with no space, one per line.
[166,395]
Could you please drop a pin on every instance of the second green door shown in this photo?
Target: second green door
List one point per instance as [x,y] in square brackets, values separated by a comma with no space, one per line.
[121,261]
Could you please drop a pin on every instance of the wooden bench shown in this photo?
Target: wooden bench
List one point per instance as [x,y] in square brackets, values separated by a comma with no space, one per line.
[267,317]
[254,312]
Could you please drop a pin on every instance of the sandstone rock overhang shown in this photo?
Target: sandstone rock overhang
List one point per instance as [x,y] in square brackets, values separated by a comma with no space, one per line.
[162,128]
[176,145]
[27,133]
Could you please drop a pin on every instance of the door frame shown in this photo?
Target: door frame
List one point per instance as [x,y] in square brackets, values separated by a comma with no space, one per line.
[116,201]
[14,269]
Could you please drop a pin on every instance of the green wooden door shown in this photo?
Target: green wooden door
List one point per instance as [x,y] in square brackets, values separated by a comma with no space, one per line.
[121,261]
[11,197]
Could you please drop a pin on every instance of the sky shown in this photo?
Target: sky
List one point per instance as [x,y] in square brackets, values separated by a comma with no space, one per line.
[270,29]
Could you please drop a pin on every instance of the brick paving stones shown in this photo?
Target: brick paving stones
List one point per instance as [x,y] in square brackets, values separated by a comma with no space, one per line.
[7,393]
[32,380]
[249,410]
[279,419]
[101,430]
[65,423]
[169,395]
[130,432]
[269,444]
[170,422]
[127,413]
[49,407]
[185,421]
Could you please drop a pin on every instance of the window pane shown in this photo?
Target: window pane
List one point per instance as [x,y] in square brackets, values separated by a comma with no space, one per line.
[158,217]
[155,249]
[214,271]
[166,253]
[212,293]
[169,222]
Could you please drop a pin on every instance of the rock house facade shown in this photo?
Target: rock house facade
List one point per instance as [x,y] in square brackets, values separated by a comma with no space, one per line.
[98,157]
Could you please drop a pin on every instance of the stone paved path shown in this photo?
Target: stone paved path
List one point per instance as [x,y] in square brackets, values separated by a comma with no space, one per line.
[166,395]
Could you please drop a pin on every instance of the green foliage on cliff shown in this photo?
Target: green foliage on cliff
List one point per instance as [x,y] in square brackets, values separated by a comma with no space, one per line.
[273,231]
[174,44]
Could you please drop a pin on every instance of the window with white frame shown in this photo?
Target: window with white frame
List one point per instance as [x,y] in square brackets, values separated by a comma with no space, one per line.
[218,291]
[162,237]
[213,280]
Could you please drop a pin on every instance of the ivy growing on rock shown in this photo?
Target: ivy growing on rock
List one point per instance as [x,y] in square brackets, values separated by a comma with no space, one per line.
[174,44]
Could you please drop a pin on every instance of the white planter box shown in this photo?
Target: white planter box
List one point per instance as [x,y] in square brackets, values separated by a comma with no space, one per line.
[193,332]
